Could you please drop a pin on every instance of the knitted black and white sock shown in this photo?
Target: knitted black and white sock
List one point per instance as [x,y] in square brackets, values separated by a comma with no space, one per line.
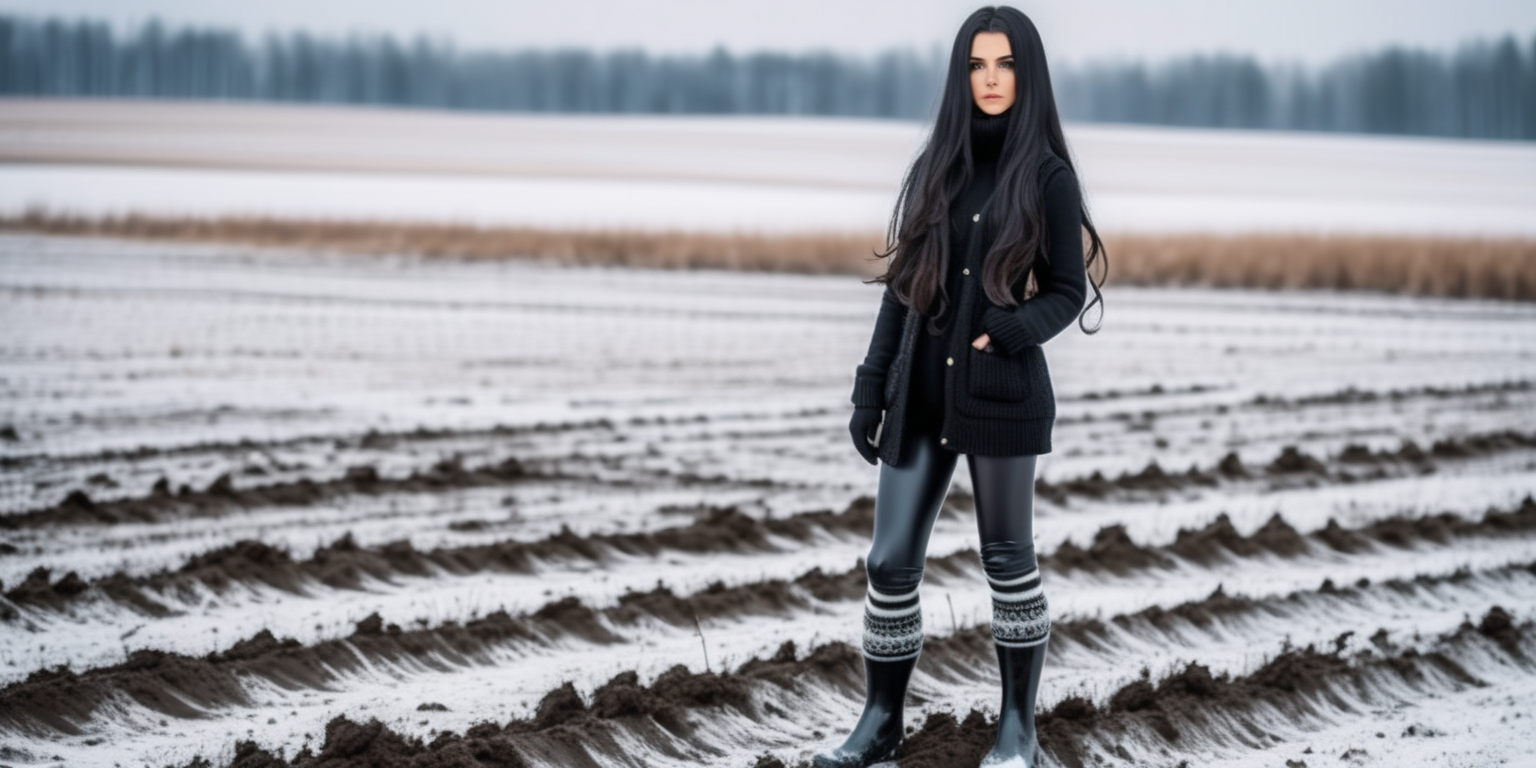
[893,625]
[1020,615]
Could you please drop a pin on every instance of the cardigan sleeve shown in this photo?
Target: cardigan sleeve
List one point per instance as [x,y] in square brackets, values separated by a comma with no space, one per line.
[1062,277]
[869,377]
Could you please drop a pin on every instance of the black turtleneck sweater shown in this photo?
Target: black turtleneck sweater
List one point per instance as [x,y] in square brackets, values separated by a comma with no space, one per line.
[927,404]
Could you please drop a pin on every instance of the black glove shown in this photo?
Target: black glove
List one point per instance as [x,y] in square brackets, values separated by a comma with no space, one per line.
[862,428]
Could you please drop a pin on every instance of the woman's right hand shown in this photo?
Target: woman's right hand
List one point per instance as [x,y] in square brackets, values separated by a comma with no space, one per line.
[862,427]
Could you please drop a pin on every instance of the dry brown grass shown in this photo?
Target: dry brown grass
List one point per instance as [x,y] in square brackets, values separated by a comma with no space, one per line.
[1429,266]
[813,253]
[1417,265]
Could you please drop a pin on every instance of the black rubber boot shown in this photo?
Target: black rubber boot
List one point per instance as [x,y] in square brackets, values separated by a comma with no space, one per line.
[879,730]
[1016,745]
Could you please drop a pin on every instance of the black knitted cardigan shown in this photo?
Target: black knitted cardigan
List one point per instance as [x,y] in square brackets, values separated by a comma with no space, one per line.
[997,403]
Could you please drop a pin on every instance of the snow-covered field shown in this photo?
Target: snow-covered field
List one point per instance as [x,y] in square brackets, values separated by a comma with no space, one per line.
[715,173]
[244,491]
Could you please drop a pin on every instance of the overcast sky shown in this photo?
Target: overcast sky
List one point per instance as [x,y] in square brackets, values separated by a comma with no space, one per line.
[1310,31]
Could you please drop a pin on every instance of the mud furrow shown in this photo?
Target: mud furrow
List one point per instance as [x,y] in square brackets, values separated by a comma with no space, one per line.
[55,699]
[1291,467]
[1194,708]
[91,635]
[673,715]
[344,565]
[1347,396]
[372,438]
[1350,395]
[162,504]
[235,452]
[1113,550]
[1305,489]
[1358,481]
[133,476]
[1354,396]
[1126,434]
[398,439]
[64,697]
[154,679]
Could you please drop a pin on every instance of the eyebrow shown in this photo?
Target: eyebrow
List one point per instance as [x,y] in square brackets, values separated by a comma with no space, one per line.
[1000,58]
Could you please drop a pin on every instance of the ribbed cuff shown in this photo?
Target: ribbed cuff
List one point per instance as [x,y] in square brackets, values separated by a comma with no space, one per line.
[868,392]
[1005,329]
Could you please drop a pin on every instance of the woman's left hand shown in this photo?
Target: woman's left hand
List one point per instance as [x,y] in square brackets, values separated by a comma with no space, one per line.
[982,342]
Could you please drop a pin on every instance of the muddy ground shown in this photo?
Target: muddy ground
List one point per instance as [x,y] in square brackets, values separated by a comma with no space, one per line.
[264,508]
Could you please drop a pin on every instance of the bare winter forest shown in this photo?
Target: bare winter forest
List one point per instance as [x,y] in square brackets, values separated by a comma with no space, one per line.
[1482,89]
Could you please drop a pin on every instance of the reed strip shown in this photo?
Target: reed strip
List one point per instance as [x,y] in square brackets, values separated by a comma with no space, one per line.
[1462,267]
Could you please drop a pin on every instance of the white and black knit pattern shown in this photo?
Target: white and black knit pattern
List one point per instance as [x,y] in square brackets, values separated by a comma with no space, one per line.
[893,625]
[1020,615]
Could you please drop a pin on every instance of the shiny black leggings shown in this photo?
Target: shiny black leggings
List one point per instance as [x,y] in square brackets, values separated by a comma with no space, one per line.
[910,496]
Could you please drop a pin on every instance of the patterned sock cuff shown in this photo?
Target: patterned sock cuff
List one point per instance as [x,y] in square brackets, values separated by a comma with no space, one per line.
[1020,615]
[893,625]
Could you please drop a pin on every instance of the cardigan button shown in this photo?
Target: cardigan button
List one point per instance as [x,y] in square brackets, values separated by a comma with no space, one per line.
[949,361]
[975,217]
[943,441]
[965,271]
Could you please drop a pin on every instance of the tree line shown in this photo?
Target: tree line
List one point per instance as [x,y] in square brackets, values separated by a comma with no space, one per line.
[1482,89]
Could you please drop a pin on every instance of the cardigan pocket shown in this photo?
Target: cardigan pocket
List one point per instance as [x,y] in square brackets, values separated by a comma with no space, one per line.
[997,377]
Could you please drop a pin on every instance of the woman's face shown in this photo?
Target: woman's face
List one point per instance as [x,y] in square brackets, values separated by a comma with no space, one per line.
[992,84]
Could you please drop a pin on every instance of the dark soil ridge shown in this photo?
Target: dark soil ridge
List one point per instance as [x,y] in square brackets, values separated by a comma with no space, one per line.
[78,508]
[161,503]
[1290,467]
[344,565]
[1351,395]
[60,698]
[1343,396]
[564,618]
[373,438]
[1346,396]
[1113,550]
[162,681]
[1155,389]
[1189,701]
[1304,683]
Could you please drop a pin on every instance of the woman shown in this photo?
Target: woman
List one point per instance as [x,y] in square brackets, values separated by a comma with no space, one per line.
[955,366]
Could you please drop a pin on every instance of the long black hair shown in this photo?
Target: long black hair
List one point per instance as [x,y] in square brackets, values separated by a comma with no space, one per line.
[917,240]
